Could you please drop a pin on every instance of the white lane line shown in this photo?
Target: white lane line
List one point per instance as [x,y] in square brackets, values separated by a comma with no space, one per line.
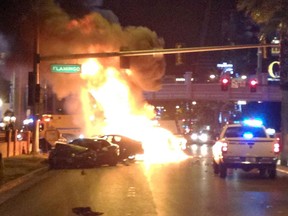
[282,170]
[131,192]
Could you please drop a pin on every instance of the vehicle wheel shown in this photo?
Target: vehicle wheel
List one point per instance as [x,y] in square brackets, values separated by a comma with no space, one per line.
[79,165]
[223,170]
[113,159]
[53,163]
[262,171]
[272,173]
[113,162]
[216,168]
[70,164]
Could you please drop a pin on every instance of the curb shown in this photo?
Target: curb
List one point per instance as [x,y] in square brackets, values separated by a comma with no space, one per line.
[14,183]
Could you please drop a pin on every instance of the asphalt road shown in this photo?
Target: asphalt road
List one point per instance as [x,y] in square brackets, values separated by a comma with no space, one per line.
[168,189]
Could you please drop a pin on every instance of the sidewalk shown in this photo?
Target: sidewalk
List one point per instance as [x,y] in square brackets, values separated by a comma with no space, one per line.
[18,169]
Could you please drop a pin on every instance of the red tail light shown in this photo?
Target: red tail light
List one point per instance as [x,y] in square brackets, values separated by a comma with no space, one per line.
[276,148]
[224,147]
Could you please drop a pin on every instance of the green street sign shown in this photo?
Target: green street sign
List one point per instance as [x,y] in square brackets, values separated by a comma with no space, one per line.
[65,68]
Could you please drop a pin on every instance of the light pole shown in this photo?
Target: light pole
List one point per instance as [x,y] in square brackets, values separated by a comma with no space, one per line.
[36,62]
[284,87]
[1,104]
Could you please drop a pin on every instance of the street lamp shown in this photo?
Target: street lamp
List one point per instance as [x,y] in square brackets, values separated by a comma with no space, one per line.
[9,122]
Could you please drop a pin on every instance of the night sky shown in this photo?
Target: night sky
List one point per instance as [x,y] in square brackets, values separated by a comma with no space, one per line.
[175,21]
[181,21]
[269,112]
[191,23]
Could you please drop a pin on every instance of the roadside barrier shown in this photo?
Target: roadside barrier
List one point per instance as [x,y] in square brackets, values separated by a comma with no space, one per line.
[11,146]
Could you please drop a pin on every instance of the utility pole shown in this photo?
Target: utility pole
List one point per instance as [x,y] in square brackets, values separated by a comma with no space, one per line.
[36,62]
[284,87]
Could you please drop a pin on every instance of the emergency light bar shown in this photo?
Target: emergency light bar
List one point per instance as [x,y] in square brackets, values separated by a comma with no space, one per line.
[253,122]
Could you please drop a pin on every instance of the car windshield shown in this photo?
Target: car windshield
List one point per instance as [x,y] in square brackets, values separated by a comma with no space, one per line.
[242,130]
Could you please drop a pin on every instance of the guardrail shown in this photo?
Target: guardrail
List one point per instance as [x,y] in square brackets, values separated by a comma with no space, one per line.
[10,146]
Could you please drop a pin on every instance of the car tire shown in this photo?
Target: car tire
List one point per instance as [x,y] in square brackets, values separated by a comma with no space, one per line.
[53,164]
[215,168]
[262,171]
[272,173]
[223,171]
[113,159]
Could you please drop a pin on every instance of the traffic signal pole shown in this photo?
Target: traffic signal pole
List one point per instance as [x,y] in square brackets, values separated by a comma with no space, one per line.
[284,88]
[154,52]
[35,105]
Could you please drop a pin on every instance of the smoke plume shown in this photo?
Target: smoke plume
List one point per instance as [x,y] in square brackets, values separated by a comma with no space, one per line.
[60,35]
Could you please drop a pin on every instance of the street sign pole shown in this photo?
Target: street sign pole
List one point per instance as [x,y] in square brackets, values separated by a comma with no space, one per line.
[155,52]
[36,62]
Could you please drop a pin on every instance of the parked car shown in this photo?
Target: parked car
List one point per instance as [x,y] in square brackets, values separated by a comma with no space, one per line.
[128,147]
[107,152]
[71,156]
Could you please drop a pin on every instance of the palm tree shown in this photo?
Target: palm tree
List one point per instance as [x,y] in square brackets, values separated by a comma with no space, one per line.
[272,16]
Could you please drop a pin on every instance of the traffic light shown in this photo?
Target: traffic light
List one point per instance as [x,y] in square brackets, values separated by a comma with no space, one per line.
[224,84]
[253,85]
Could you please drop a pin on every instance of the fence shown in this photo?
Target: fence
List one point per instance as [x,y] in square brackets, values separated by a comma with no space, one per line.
[11,146]
[2,136]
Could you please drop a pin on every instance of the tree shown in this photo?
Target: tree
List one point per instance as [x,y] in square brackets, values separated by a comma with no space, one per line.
[272,16]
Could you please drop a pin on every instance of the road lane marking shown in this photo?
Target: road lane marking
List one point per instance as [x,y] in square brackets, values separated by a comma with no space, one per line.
[282,170]
[131,192]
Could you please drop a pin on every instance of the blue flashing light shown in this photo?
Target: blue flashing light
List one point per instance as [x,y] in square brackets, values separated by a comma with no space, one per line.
[253,122]
[248,135]
[28,121]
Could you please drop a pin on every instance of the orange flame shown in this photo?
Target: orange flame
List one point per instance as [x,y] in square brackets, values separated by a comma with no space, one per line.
[111,107]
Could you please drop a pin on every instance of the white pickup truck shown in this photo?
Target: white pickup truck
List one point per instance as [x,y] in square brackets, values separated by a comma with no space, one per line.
[245,146]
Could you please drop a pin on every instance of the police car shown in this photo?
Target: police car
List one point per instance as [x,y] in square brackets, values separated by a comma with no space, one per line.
[246,146]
